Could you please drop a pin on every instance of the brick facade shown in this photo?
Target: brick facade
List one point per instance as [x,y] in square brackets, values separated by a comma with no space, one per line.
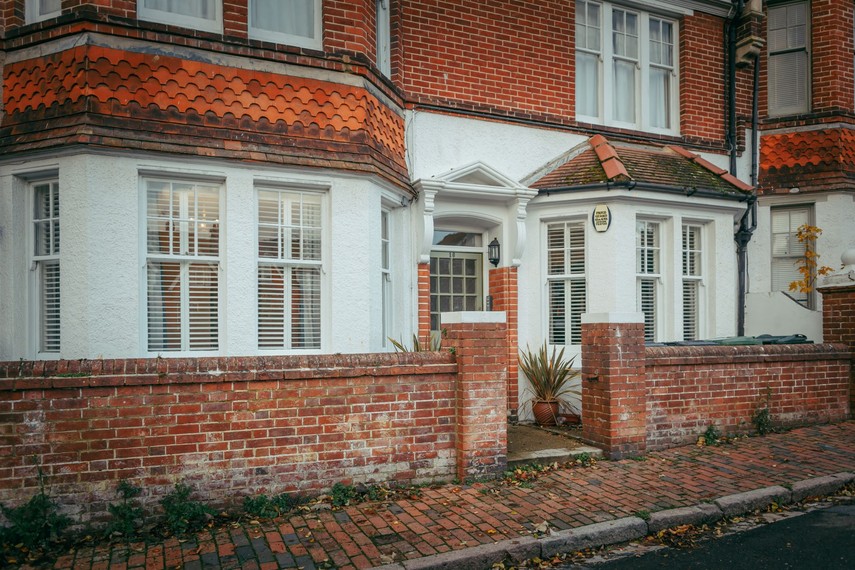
[238,426]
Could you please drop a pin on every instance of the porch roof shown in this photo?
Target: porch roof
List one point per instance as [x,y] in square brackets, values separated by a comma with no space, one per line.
[626,164]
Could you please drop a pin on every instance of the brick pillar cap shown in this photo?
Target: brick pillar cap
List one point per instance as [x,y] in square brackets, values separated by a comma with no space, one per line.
[460,317]
[844,277]
[593,318]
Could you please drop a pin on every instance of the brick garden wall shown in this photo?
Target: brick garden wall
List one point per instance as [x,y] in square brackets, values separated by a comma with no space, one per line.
[637,399]
[230,427]
[691,388]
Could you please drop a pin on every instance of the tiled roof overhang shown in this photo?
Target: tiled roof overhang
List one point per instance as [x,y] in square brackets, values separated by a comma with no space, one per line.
[811,160]
[664,169]
[116,98]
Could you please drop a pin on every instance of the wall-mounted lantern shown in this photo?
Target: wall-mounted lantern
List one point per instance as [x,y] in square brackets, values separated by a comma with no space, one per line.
[494,252]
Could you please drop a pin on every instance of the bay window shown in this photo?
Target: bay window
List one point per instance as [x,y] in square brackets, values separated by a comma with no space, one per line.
[385,276]
[566,281]
[692,276]
[45,265]
[626,68]
[289,269]
[182,265]
[648,274]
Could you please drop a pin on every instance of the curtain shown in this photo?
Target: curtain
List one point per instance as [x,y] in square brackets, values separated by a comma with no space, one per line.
[587,85]
[194,8]
[293,17]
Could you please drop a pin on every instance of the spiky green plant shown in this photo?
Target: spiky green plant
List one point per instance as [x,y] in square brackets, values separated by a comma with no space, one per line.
[435,345]
[549,375]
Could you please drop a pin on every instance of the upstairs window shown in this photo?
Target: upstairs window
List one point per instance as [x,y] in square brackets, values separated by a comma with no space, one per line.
[38,10]
[292,22]
[566,281]
[626,68]
[789,60]
[384,38]
[648,271]
[205,15]
[45,265]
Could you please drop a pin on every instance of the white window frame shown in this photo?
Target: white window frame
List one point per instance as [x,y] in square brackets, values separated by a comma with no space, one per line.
[288,263]
[694,276]
[567,277]
[606,58]
[794,251]
[384,37]
[39,262]
[316,42]
[776,111]
[32,13]
[653,276]
[386,292]
[214,24]
[184,260]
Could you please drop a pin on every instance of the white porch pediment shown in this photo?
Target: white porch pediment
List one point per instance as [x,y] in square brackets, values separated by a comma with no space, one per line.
[476,185]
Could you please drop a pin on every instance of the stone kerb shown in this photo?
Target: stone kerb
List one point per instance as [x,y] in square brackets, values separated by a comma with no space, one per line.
[614,395]
[478,340]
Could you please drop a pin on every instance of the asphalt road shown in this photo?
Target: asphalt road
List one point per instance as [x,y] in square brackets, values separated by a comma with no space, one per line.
[819,539]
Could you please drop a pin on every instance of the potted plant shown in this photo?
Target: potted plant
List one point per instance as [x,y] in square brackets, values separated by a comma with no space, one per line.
[549,377]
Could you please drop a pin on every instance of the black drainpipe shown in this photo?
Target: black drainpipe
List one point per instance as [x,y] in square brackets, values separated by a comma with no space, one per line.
[748,222]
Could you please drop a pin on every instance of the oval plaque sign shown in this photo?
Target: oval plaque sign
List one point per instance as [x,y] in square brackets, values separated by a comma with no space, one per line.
[602,218]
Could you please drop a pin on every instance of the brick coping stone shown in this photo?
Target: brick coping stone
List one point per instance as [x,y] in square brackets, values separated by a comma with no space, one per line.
[460,526]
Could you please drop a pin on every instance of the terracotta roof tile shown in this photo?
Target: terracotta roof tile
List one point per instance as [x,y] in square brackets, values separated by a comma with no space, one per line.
[811,160]
[671,166]
[262,105]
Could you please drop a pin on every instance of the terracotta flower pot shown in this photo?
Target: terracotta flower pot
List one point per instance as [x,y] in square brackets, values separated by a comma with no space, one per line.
[545,413]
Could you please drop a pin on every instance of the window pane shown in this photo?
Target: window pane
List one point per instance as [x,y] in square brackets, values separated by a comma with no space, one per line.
[587,84]
[660,98]
[203,306]
[292,17]
[164,306]
[50,306]
[306,307]
[624,95]
[647,305]
[194,8]
[690,310]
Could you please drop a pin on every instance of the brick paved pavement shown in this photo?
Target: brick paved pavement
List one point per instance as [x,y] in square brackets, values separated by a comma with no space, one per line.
[453,517]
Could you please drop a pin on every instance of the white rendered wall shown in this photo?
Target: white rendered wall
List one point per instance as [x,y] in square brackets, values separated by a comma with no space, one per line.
[102,221]
[834,213]
[437,143]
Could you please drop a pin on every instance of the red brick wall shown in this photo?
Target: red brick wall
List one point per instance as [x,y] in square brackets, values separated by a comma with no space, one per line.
[503,55]
[702,77]
[691,388]
[613,390]
[229,426]
[481,396]
[504,291]
[838,324]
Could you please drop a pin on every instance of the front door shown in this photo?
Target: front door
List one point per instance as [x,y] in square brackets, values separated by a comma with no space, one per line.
[455,283]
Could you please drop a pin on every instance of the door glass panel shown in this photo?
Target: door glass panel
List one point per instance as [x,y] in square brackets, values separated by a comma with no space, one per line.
[458,277]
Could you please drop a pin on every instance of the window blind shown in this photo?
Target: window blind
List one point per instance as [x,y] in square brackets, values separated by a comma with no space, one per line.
[289,269]
[183,246]
[566,281]
[46,263]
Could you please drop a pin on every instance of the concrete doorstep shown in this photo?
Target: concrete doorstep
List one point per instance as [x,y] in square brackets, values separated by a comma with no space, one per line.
[624,529]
